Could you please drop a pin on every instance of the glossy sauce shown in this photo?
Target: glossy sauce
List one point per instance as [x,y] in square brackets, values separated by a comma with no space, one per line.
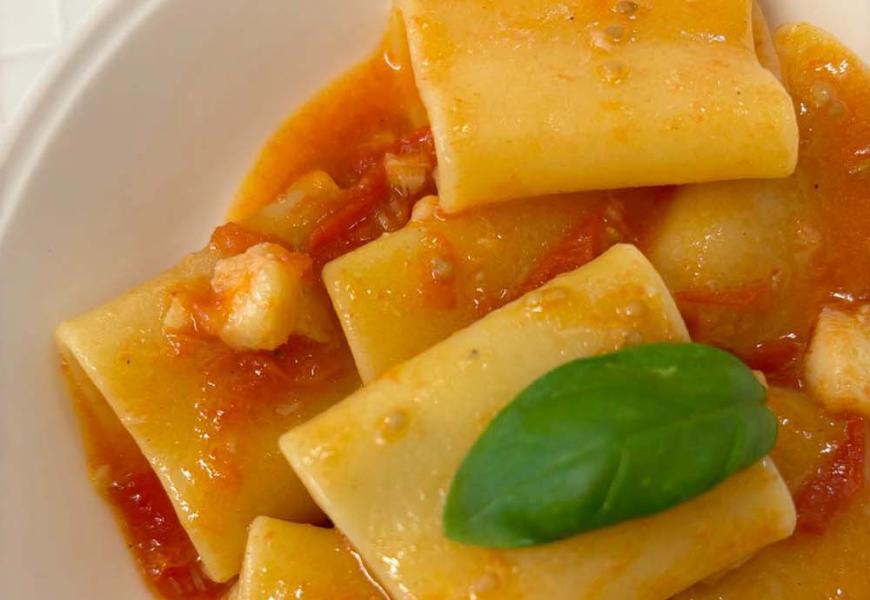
[826,562]
[345,130]
[341,127]
[831,91]
[167,560]
[373,110]
[821,456]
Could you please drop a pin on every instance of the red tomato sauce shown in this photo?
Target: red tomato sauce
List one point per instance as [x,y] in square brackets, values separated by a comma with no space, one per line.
[837,480]
[167,558]
[349,130]
[341,128]
[779,359]
[585,242]
[371,206]
[168,561]
[231,238]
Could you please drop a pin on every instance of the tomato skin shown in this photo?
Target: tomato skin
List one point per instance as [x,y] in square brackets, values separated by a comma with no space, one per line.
[579,247]
[231,238]
[360,202]
[595,234]
[779,359]
[159,543]
[835,482]
[355,222]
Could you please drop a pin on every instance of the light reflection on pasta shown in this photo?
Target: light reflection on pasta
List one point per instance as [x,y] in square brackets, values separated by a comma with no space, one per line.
[643,182]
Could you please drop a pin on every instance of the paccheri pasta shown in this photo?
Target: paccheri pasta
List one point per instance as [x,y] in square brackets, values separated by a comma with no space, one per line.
[395,373]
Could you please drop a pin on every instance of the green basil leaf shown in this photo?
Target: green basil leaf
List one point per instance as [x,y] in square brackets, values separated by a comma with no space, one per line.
[602,440]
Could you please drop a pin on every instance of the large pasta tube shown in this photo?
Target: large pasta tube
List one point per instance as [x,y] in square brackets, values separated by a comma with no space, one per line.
[537,97]
[206,416]
[380,463]
[402,293]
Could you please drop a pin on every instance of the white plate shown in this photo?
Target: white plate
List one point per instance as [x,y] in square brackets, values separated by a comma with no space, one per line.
[129,156]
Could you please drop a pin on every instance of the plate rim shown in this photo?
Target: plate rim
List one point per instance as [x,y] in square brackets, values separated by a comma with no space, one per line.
[54,92]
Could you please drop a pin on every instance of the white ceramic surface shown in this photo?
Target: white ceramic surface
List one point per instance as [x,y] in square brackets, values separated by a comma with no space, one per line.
[31,33]
[125,160]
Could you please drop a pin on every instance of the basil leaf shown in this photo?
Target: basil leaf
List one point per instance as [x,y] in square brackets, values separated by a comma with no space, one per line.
[602,440]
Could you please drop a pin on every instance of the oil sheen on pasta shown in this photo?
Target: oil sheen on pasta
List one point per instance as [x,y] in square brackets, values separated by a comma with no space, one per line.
[376,103]
[340,128]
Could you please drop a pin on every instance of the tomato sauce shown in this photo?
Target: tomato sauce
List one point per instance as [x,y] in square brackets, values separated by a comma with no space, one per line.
[231,239]
[346,130]
[168,561]
[585,242]
[167,558]
[372,206]
[836,481]
[341,127]
[832,95]
[373,111]
[779,359]
[821,456]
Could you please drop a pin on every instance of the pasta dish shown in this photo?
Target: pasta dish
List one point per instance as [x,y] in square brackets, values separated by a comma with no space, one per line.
[542,300]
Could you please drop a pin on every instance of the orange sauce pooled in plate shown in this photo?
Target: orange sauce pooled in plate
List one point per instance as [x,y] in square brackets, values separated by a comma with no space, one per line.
[342,131]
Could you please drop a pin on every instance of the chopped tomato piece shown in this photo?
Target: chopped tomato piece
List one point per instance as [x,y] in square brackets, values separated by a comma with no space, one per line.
[779,359]
[361,201]
[161,546]
[835,482]
[419,141]
[371,206]
[231,239]
[581,245]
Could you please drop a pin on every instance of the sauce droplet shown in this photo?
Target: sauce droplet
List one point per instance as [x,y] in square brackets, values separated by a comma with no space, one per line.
[613,71]
[635,309]
[442,269]
[615,32]
[392,426]
[821,93]
[547,298]
[625,7]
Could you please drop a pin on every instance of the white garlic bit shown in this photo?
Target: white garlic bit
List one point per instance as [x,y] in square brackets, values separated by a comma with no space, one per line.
[177,317]
[407,173]
[262,290]
[424,209]
[838,360]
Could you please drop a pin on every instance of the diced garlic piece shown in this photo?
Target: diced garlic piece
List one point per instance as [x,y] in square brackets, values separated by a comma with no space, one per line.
[838,361]
[424,209]
[262,290]
[177,317]
[407,172]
